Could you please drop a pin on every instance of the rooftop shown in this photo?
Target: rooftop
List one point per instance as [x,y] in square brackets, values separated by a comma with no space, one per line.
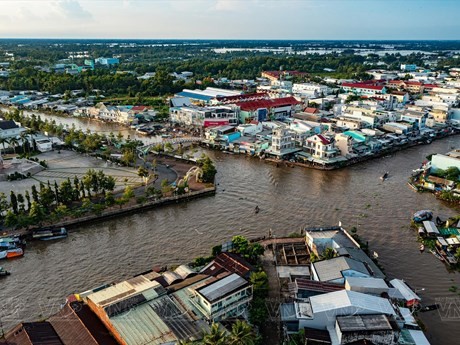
[345,298]
[222,287]
[332,269]
[359,323]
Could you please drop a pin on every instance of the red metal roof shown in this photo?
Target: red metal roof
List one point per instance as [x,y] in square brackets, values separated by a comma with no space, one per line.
[413,83]
[363,86]
[311,110]
[140,108]
[229,262]
[267,103]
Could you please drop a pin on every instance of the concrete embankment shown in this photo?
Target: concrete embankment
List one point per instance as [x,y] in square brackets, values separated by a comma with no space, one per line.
[126,210]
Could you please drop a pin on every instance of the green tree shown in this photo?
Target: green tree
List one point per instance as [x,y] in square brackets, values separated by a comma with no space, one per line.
[128,157]
[4,204]
[28,200]
[242,334]
[11,219]
[259,281]
[21,201]
[209,170]
[47,197]
[128,193]
[14,202]
[66,192]
[328,253]
[35,195]
[37,213]
[215,336]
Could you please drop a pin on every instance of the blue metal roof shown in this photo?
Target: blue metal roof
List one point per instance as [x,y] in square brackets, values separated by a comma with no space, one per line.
[195,96]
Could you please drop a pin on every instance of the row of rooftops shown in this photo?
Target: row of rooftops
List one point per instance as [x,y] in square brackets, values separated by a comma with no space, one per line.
[361,304]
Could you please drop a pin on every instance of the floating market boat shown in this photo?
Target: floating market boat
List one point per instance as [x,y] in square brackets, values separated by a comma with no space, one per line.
[49,234]
[436,254]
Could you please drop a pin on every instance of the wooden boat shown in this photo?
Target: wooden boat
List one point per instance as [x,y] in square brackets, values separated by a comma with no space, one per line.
[4,272]
[436,255]
[429,307]
[49,234]
[422,248]
[257,209]
[384,176]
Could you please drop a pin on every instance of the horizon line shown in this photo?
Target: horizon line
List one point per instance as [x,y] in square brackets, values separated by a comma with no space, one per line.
[233,39]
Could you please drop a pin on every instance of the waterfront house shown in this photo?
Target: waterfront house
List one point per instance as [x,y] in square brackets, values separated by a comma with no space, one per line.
[321,311]
[337,269]
[224,298]
[319,146]
[282,143]
[443,162]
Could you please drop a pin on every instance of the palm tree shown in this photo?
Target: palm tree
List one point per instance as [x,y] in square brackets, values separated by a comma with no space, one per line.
[24,139]
[14,142]
[242,334]
[215,336]
[3,141]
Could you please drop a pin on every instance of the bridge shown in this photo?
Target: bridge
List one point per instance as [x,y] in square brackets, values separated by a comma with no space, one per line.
[173,141]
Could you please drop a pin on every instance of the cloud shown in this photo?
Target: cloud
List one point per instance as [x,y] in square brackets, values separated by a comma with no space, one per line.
[72,9]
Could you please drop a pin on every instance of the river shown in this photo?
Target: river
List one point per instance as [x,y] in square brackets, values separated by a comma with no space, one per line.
[289,198]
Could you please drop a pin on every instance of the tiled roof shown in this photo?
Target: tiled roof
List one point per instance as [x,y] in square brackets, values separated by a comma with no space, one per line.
[311,110]
[244,97]
[363,86]
[267,103]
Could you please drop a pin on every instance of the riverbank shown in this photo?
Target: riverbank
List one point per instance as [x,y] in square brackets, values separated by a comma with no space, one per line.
[325,165]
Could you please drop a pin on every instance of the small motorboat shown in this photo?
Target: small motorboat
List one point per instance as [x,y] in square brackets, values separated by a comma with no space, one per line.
[429,307]
[384,176]
[4,272]
[11,253]
[257,209]
[422,248]
[49,234]
[422,215]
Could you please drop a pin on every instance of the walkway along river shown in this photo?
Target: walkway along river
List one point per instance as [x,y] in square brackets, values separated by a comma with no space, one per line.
[289,198]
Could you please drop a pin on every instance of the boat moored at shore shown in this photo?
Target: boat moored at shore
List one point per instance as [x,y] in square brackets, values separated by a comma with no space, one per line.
[49,234]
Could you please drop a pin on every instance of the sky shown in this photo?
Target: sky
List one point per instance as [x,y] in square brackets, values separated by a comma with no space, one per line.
[231,19]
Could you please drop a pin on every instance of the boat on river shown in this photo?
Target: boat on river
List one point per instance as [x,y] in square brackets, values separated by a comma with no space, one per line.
[435,253]
[422,215]
[384,176]
[11,253]
[4,272]
[49,234]
[422,248]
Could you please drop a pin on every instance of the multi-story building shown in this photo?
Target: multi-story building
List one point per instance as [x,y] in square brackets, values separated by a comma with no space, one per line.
[282,142]
[204,116]
[312,89]
[224,298]
[364,89]
[417,118]
[268,109]
[408,67]
[320,147]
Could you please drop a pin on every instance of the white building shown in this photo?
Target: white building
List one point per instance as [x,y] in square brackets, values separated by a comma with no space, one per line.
[10,129]
[320,147]
[224,298]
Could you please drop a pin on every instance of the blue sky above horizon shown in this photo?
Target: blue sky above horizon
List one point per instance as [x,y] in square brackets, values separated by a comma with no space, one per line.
[231,19]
